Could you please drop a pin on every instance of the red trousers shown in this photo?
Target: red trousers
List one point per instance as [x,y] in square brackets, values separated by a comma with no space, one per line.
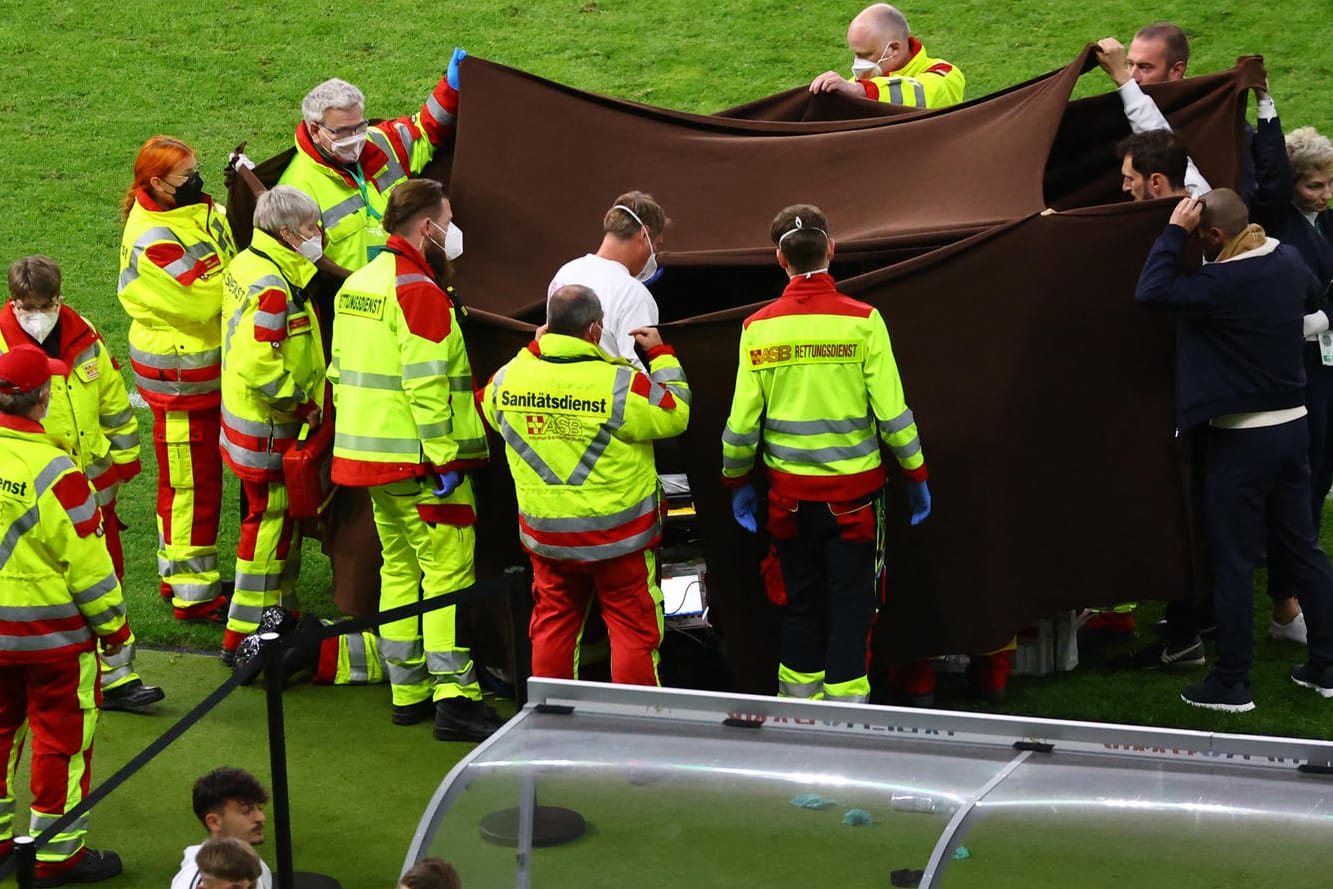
[189,502]
[58,701]
[631,603]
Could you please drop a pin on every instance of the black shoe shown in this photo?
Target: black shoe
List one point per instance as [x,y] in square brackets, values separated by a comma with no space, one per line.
[93,867]
[302,653]
[1213,694]
[1308,676]
[1161,655]
[228,657]
[411,714]
[462,719]
[133,697]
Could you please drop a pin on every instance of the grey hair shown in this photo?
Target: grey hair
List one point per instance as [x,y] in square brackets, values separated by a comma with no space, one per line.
[284,206]
[332,93]
[1309,151]
[571,309]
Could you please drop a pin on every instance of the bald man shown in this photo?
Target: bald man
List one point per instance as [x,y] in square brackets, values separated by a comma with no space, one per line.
[1241,378]
[890,65]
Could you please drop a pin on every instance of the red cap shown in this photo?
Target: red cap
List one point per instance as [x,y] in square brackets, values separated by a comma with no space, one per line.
[23,369]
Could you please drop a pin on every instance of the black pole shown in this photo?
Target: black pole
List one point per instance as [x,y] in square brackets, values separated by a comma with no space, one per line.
[277,754]
[25,857]
[518,602]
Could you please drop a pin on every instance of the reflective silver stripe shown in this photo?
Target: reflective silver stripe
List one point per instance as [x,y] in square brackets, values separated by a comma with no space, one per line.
[85,511]
[341,210]
[197,565]
[469,448]
[172,387]
[817,427]
[823,455]
[393,171]
[737,462]
[244,614]
[107,494]
[119,419]
[257,583]
[271,320]
[788,689]
[461,384]
[920,92]
[195,593]
[418,369]
[666,375]
[38,612]
[42,820]
[87,354]
[464,679]
[415,278]
[406,674]
[401,649]
[594,553]
[897,424]
[177,360]
[448,661]
[125,442]
[442,117]
[252,428]
[358,670]
[375,444]
[646,506]
[131,271]
[98,468]
[846,699]
[735,439]
[53,470]
[101,588]
[48,640]
[602,440]
[588,459]
[107,615]
[680,392]
[122,662]
[405,136]
[366,380]
[266,460]
[911,449]
[896,97]
[435,430]
[194,254]
[526,453]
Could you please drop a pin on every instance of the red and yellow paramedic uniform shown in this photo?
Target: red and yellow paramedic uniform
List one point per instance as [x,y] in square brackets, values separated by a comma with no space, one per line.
[171,264]
[406,414]
[90,419]
[578,428]
[922,83]
[818,386]
[60,593]
[273,370]
[352,200]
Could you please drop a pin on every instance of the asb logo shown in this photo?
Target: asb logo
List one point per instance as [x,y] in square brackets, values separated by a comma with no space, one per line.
[536,424]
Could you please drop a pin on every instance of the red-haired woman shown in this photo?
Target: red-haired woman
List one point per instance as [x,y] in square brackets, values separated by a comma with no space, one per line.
[175,247]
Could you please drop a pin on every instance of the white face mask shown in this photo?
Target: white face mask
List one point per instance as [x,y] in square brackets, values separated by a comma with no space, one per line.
[650,272]
[348,149]
[864,69]
[38,325]
[453,242]
[312,248]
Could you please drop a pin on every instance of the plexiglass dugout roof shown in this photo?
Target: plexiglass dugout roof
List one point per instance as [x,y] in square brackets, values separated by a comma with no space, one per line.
[696,789]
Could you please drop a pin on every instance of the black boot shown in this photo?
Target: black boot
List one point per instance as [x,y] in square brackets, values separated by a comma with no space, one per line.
[463,719]
[132,697]
[93,867]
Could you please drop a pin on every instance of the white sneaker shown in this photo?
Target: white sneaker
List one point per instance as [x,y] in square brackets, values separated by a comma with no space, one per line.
[1290,632]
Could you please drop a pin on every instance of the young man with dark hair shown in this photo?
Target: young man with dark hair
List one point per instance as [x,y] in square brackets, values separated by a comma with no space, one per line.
[228,802]
[1153,165]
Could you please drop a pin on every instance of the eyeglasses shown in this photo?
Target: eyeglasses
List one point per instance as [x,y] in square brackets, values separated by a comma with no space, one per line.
[183,177]
[355,129]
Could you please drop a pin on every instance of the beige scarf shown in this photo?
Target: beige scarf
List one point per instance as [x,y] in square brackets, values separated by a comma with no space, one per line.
[1251,238]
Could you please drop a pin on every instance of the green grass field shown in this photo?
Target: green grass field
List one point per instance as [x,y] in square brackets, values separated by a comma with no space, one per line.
[86,83]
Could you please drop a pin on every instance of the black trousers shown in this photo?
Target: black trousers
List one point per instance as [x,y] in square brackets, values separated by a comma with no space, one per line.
[832,595]
[1256,490]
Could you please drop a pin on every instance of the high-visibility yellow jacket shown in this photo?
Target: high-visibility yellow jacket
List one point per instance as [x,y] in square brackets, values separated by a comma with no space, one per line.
[578,428]
[352,200]
[90,416]
[818,383]
[402,382]
[57,584]
[273,362]
[171,264]
[922,83]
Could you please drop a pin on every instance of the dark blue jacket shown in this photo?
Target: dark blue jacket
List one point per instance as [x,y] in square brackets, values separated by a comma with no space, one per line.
[1271,204]
[1238,348]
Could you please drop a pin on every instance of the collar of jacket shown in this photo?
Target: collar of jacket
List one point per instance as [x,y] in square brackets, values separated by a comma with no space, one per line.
[400,248]
[76,334]
[145,200]
[559,347]
[372,158]
[916,64]
[294,267]
[801,287]
[15,423]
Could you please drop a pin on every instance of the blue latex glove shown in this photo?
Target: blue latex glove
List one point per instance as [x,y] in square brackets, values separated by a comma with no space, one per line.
[452,74]
[744,503]
[919,496]
[448,482]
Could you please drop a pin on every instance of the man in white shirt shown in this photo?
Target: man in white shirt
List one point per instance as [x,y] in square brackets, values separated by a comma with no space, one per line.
[626,261]
[229,803]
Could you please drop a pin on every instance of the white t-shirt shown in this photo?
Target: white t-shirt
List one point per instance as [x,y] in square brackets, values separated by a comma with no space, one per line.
[626,303]
[188,876]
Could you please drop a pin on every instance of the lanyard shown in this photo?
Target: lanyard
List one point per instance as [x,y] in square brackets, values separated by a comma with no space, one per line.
[355,172]
[299,295]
